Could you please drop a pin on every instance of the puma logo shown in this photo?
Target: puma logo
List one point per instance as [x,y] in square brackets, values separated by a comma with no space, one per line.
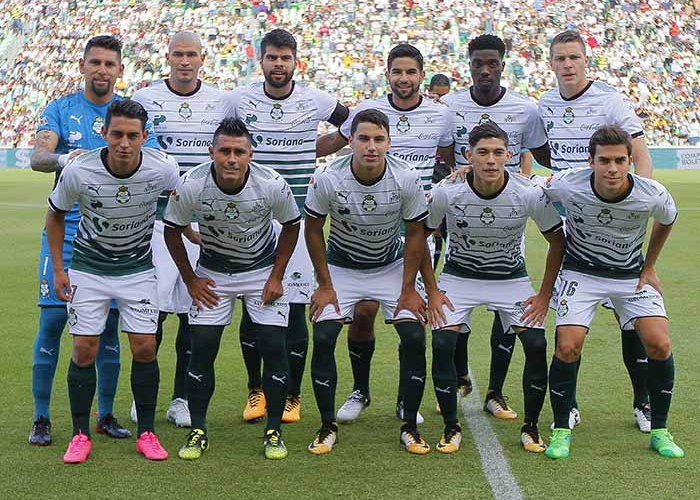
[353,353]
[247,344]
[446,390]
[281,380]
[560,394]
[664,391]
[297,354]
[326,383]
[48,352]
[159,104]
[504,348]
[76,118]
[198,378]
[305,294]
[419,379]
[112,348]
[537,388]
[641,360]
[95,189]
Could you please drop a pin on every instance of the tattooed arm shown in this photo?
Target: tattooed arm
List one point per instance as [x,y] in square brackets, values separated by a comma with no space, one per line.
[43,157]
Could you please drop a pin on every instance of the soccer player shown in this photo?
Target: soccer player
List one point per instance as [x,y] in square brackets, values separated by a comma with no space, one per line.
[439,86]
[572,113]
[282,117]
[185,113]
[68,127]
[117,188]
[235,200]
[487,101]
[486,217]
[420,129]
[607,211]
[367,194]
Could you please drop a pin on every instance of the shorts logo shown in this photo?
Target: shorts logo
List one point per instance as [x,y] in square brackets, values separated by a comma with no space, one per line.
[485,118]
[194,311]
[563,308]
[403,125]
[276,112]
[231,211]
[605,217]
[368,204]
[44,288]
[97,125]
[123,195]
[487,216]
[568,115]
[72,317]
[185,111]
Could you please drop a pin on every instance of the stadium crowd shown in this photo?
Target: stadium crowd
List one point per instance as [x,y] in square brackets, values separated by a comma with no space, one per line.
[649,49]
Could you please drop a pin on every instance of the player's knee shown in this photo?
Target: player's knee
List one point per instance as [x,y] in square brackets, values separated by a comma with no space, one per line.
[143,348]
[271,341]
[362,327]
[568,351]
[85,350]
[534,342]
[659,348]
[412,336]
[326,336]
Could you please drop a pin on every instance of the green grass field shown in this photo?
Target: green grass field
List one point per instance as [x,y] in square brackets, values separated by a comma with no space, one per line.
[610,457]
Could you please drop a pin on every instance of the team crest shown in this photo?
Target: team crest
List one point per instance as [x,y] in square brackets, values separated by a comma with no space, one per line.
[44,288]
[231,211]
[276,112]
[185,111]
[123,195]
[194,311]
[368,204]
[72,317]
[403,125]
[97,125]
[605,217]
[563,308]
[568,115]
[487,216]
[485,118]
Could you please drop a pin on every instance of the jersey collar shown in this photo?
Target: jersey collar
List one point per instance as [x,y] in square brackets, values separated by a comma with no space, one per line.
[103,157]
[574,97]
[390,98]
[280,98]
[188,94]
[486,105]
[229,192]
[619,198]
[470,181]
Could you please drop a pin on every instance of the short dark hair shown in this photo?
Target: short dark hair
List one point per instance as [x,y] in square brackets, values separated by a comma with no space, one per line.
[127,108]
[405,50]
[278,38]
[566,37]
[370,116]
[487,130]
[609,135]
[439,79]
[487,42]
[104,42]
[232,127]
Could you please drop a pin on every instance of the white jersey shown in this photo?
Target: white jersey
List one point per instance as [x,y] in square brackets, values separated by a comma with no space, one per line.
[514,113]
[236,227]
[486,233]
[415,133]
[116,212]
[606,238]
[570,123]
[365,219]
[284,131]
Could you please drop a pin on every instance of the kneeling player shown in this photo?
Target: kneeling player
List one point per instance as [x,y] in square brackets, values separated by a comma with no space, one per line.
[235,201]
[607,210]
[117,188]
[486,218]
[367,194]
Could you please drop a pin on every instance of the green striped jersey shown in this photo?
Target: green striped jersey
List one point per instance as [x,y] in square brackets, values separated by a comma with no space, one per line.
[486,232]
[116,212]
[236,226]
[365,219]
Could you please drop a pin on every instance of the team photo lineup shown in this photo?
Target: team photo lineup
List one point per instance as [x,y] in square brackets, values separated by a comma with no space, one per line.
[187,201]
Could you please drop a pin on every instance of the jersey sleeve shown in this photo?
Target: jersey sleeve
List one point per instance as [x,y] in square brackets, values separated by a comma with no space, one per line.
[67,190]
[172,173]
[326,105]
[542,211]
[344,129]
[446,138]
[553,186]
[284,208]
[437,206]
[621,113]
[50,119]
[178,212]
[664,210]
[317,199]
[535,135]
[232,101]
[414,206]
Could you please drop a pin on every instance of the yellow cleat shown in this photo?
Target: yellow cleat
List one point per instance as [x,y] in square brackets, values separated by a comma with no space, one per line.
[531,440]
[412,442]
[450,441]
[496,405]
[255,406]
[326,437]
[292,410]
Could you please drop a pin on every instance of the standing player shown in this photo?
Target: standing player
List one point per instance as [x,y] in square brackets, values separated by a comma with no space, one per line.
[185,113]
[572,113]
[69,126]
[607,211]
[236,201]
[282,117]
[486,101]
[420,129]
[486,217]
[117,189]
[367,195]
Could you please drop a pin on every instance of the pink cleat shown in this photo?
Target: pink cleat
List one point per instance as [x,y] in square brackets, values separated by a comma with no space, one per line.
[78,449]
[148,445]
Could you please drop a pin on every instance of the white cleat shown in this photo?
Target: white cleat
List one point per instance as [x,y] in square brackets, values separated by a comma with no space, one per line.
[134,416]
[352,407]
[179,413]
[399,414]
[642,417]
[574,419]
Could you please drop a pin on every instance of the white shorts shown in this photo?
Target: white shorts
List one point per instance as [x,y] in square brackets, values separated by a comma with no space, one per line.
[247,285]
[578,295]
[382,284]
[504,296]
[299,278]
[173,296]
[136,296]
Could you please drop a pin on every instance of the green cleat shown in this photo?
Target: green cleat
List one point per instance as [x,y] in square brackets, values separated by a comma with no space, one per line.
[662,441]
[274,446]
[559,444]
[197,442]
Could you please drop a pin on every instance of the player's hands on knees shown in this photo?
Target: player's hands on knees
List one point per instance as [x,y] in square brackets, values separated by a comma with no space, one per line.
[61,284]
[411,301]
[648,277]
[272,291]
[459,175]
[436,312]
[202,293]
[322,297]
[535,308]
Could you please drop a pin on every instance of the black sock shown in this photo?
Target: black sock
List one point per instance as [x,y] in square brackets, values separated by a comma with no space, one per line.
[360,360]
[535,371]
[183,349]
[249,349]
[661,379]
[637,363]
[462,355]
[323,369]
[273,348]
[574,402]
[145,379]
[562,382]
[445,373]
[82,381]
[200,379]
[501,352]
[297,346]
[412,367]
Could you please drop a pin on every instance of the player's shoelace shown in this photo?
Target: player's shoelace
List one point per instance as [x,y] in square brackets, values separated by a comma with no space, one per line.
[413,435]
[292,404]
[500,400]
[451,432]
[356,396]
[42,425]
[255,398]
[324,432]
[273,438]
[194,437]
[646,410]
[532,431]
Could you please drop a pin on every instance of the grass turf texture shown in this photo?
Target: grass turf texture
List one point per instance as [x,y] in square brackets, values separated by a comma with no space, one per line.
[610,457]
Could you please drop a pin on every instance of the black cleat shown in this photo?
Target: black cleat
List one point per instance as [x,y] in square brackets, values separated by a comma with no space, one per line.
[110,425]
[41,432]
